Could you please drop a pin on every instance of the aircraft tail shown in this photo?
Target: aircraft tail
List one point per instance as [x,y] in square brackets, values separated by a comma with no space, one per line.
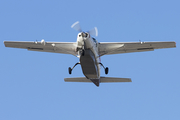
[113,79]
[97,81]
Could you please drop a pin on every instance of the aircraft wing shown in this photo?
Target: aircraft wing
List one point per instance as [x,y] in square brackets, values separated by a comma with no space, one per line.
[54,47]
[107,48]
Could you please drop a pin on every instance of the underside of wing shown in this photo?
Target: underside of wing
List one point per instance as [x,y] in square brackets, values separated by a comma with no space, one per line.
[54,47]
[128,47]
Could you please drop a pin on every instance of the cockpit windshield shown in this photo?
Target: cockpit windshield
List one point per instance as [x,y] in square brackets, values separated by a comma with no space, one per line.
[94,40]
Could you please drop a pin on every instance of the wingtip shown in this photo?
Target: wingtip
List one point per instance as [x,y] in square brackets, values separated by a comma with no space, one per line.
[4,43]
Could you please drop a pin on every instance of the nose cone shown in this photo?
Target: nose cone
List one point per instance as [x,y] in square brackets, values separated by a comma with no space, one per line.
[83,39]
[83,35]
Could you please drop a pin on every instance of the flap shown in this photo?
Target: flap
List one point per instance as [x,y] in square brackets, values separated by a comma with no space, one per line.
[128,47]
[55,47]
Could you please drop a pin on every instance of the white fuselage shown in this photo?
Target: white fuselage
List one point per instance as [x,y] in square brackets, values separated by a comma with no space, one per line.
[90,59]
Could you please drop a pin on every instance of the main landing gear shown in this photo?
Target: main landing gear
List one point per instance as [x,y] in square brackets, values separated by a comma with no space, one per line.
[70,69]
[106,69]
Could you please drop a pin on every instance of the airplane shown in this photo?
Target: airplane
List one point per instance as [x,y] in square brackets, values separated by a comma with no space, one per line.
[89,51]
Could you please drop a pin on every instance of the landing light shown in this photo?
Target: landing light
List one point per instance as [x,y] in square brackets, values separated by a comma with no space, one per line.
[43,42]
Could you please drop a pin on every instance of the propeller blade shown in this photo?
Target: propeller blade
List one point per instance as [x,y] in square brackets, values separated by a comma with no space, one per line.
[93,32]
[76,26]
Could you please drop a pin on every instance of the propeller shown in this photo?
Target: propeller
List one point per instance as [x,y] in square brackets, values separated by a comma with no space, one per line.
[77,27]
[93,32]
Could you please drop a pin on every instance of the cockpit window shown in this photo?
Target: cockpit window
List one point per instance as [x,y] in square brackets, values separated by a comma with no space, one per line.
[86,34]
[95,41]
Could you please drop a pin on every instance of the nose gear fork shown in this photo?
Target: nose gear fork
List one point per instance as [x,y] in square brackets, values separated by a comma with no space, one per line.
[80,50]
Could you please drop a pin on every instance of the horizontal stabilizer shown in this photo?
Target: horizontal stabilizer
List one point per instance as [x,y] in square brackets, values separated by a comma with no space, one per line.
[102,79]
[113,79]
[78,79]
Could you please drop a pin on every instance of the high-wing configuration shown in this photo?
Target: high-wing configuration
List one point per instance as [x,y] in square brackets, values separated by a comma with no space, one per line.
[89,51]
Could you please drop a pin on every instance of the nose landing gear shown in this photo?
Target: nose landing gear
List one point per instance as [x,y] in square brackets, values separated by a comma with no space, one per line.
[81,52]
[106,69]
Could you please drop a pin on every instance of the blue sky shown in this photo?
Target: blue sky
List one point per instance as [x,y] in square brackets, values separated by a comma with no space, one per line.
[32,83]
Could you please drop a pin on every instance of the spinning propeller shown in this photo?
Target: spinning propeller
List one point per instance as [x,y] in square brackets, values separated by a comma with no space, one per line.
[92,32]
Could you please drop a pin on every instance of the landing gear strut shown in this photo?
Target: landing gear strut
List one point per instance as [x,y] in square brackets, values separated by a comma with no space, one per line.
[70,69]
[106,69]
[81,52]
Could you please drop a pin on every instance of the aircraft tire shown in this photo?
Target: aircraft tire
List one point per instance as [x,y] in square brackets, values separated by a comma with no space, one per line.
[70,70]
[106,70]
